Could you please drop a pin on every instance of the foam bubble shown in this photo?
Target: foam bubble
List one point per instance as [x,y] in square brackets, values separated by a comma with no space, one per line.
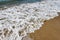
[17,21]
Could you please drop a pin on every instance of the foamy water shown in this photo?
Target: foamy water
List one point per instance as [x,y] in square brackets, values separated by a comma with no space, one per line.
[17,21]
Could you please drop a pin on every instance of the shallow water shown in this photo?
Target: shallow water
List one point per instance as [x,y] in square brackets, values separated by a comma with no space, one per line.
[27,17]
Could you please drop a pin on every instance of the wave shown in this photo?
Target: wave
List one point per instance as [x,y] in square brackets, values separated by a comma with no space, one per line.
[17,21]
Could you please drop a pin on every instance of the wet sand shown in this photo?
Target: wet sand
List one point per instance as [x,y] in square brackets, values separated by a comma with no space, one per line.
[49,31]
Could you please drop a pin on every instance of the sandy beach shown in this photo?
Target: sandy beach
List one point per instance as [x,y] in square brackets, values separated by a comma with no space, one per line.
[49,31]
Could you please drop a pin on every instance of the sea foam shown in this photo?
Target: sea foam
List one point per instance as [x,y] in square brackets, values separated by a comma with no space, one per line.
[17,21]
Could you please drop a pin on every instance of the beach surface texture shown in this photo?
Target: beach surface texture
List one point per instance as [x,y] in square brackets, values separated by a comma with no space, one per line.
[17,21]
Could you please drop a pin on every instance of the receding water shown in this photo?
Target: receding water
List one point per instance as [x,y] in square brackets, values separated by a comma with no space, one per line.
[26,17]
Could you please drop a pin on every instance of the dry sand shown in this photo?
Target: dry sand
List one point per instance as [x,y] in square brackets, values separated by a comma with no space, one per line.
[49,31]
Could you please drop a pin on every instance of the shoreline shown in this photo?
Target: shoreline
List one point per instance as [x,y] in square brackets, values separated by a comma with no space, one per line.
[49,30]
[26,17]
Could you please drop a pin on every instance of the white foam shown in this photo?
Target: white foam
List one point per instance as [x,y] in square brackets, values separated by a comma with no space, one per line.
[26,18]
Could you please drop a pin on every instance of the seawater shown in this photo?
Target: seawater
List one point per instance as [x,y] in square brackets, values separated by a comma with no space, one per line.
[18,1]
[27,17]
